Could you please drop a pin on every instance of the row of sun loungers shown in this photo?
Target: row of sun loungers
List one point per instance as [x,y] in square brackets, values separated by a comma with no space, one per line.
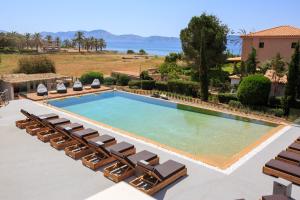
[61,88]
[96,150]
[286,164]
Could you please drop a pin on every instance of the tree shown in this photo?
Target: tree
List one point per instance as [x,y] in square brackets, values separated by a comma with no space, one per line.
[129,51]
[79,39]
[278,66]
[27,39]
[243,69]
[293,71]
[251,62]
[173,57]
[142,52]
[49,39]
[37,39]
[203,43]
[102,44]
[57,41]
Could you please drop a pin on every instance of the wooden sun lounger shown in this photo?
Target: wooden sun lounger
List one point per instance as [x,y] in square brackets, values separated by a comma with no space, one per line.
[289,157]
[46,136]
[126,165]
[275,197]
[159,176]
[295,147]
[45,125]
[283,170]
[30,120]
[102,156]
[79,150]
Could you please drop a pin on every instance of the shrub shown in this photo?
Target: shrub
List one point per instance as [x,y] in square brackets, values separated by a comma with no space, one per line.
[160,85]
[130,51]
[235,104]
[145,76]
[88,77]
[226,97]
[122,79]
[36,64]
[110,81]
[148,84]
[142,52]
[134,84]
[187,88]
[254,90]
[275,102]
[278,112]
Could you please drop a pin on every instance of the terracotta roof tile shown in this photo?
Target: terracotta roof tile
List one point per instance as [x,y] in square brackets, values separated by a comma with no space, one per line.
[287,31]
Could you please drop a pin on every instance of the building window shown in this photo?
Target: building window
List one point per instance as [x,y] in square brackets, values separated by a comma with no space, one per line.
[293,45]
[261,45]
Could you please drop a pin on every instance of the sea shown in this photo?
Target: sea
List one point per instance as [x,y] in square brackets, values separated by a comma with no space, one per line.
[164,48]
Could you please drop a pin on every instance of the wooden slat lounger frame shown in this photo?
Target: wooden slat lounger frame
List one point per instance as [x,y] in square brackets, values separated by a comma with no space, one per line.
[154,182]
[124,167]
[30,120]
[282,174]
[46,125]
[289,157]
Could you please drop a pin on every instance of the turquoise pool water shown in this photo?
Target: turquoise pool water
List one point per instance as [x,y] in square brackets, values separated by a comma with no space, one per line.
[216,138]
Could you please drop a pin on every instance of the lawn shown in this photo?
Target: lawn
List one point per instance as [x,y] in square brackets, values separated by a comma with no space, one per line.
[76,64]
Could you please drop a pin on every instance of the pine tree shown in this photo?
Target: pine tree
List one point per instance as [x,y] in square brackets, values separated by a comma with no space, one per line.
[251,62]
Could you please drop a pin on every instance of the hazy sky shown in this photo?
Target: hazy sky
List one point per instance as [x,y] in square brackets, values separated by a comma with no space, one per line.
[142,17]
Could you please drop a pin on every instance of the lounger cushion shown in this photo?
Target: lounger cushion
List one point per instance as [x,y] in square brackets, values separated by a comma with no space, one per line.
[100,140]
[168,169]
[284,167]
[84,133]
[95,83]
[42,90]
[120,147]
[143,155]
[144,164]
[58,121]
[70,127]
[295,146]
[288,155]
[47,116]
[275,197]
[77,86]
[61,88]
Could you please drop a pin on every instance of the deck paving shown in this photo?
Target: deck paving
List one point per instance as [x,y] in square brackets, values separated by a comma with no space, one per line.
[31,169]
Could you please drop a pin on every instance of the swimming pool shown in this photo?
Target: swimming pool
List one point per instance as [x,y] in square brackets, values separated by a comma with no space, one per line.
[215,138]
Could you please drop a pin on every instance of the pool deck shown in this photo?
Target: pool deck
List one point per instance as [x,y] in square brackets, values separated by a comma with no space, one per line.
[31,169]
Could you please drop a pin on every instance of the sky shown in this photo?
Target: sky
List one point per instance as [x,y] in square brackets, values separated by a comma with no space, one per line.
[143,17]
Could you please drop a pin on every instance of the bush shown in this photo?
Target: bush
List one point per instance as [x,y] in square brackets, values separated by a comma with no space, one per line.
[145,76]
[254,90]
[36,64]
[187,88]
[235,104]
[275,102]
[122,79]
[134,84]
[226,97]
[142,52]
[110,81]
[160,85]
[130,51]
[278,112]
[148,84]
[88,77]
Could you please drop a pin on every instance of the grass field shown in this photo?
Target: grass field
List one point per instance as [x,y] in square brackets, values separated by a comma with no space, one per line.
[77,64]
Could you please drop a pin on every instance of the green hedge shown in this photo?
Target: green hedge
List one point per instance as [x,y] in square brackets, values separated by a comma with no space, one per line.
[235,104]
[187,88]
[110,81]
[36,64]
[122,79]
[161,85]
[89,77]
[254,90]
[226,97]
[145,84]
[134,84]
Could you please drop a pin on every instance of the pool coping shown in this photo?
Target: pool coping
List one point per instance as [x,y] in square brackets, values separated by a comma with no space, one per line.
[234,163]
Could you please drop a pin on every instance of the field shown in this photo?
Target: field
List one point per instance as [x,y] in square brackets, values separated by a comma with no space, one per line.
[76,64]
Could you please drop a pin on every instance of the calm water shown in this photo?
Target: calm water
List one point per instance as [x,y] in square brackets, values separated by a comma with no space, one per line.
[213,137]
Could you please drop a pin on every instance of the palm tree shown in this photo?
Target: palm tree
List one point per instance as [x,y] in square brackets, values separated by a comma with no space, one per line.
[37,39]
[102,44]
[49,39]
[27,39]
[79,37]
[57,41]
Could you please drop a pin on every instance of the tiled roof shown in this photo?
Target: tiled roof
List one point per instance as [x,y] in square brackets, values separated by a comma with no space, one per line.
[286,31]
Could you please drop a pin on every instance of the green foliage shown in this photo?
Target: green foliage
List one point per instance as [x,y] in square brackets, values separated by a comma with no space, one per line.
[110,81]
[275,102]
[129,51]
[293,84]
[173,57]
[170,70]
[254,90]
[148,84]
[122,79]
[278,112]
[36,64]
[134,84]
[145,76]
[161,85]
[243,70]
[251,62]
[235,69]
[226,97]
[142,52]
[235,104]
[89,77]
[187,88]
[204,43]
